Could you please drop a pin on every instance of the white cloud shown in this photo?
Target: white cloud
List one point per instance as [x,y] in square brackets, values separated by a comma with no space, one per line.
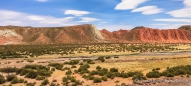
[76,12]
[187,3]
[129,4]
[23,19]
[174,20]
[185,12]
[87,19]
[169,26]
[148,10]
[41,0]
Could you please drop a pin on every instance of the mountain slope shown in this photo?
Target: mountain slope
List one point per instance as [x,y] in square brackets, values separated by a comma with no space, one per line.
[88,33]
[143,34]
[73,34]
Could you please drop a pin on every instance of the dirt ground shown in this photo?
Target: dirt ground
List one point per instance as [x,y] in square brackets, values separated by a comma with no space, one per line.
[123,63]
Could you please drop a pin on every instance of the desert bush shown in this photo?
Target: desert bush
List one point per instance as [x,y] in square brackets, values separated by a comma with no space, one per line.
[104,78]
[69,72]
[83,69]
[97,80]
[2,79]
[40,77]
[74,62]
[45,82]
[107,57]
[10,77]
[110,75]
[116,56]
[81,63]
[153,74]
[31,84]
[8,69]
[90,77]
[98,68]
[101,58]
[56,65]
[31,74]
[113,69]
[17,80]
[138,76]
[93,72]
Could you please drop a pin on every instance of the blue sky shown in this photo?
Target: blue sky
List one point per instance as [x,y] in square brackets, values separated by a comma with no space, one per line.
[109,14]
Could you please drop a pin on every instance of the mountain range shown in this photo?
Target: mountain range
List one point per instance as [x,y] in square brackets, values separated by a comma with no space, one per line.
[88,33]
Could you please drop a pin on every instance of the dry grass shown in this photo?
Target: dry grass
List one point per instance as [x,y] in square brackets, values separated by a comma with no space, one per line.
[183,47]
[144,66]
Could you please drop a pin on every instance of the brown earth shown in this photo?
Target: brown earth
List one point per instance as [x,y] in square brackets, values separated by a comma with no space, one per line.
[143,34]
[88,33]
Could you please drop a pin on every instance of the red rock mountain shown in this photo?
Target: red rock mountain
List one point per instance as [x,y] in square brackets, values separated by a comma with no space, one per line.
[143,34]
[88,33]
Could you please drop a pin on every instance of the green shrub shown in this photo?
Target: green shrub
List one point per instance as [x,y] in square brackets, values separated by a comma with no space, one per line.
[104,78]
[31,84]
[138,76]
[8,70]
[40,77]
[110,75]
[153,74]
[90,77]
[113,69]
[2,79]
[98,68]
[45,82]
[56,65]
[68,72]
[31,74]
[107,57]
[17,80]
[10,77]
[101,59]
[97,80]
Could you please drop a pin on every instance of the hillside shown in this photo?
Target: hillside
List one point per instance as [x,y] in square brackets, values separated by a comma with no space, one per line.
[143,34]
[88,33]
[45,35]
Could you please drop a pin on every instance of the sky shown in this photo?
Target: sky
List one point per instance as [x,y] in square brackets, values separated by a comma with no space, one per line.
[104,14]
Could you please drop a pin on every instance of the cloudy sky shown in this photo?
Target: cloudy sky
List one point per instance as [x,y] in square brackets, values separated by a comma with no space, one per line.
[109,14]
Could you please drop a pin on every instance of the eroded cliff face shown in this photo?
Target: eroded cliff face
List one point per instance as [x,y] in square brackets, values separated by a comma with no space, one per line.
[143,34]
[88,33]
[45,35]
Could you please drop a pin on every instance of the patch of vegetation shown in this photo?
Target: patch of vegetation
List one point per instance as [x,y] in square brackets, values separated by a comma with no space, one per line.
[2,79]
[101,58]
[56,65]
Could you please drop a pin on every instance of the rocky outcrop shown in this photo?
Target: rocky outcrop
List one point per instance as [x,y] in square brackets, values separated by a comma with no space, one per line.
[88,33]
[143,34]
[73,34]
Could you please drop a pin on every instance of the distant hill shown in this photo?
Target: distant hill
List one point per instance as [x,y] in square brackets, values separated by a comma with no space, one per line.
[88,33]
[185,27]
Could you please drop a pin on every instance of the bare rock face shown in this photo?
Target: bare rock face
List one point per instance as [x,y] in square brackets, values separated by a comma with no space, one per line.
[73,34]
[9,37]
[144,34]
[88,33]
